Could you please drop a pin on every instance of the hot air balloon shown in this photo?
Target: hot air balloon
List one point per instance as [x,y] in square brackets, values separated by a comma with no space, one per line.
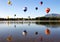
[36,33]
[9,38]
[24,32]
[47,31]
[14,14]
[9,2]
[8,23]
[36,8]
[7,17]
[25,9]
[15,26]
[47,10]
[41,38]
[41,2]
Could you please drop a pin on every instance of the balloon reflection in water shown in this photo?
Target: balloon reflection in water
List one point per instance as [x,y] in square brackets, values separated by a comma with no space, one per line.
[36,33]
[24,32]
[9,38]
[8,23]
[47,31]
[15,26]
[41,38]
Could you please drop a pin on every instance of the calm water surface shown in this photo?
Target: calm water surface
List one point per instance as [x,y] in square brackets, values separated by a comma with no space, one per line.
[19,31]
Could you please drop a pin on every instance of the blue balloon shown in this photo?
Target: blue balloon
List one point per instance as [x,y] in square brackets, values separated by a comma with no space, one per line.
[36,8]
[25,9]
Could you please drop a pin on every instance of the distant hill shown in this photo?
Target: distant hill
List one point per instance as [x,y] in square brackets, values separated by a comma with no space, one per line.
[53,15]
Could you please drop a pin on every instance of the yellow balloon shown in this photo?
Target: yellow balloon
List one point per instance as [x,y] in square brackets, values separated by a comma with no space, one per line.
[7,17]
[9,2]
[9,38]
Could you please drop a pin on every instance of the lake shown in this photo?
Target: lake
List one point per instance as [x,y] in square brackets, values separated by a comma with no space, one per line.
[29,31]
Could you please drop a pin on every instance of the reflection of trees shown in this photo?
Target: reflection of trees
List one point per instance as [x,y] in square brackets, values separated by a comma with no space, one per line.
[49,24]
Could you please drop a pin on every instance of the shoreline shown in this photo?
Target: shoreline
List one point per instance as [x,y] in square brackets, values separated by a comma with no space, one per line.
[32,20]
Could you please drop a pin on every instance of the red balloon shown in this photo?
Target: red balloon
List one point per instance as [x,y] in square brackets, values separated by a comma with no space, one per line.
[41,2]
[47,10]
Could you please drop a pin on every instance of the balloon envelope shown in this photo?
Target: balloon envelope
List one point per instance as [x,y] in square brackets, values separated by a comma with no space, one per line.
[9,38]
[47,31]
[24,32]
[9,2]
[36,33]
[41,38]
[25,9]
[7,17]
[41,2]
[36,8]
[47,10]
[14,14]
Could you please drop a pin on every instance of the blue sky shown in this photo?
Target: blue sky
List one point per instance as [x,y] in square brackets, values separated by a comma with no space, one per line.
[18,5]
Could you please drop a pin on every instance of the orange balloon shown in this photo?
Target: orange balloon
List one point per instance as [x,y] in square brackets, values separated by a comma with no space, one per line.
[47,10]
[47,31]
[9,38]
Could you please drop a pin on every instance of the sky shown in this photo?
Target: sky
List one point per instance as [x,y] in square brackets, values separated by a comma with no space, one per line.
[18,5]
